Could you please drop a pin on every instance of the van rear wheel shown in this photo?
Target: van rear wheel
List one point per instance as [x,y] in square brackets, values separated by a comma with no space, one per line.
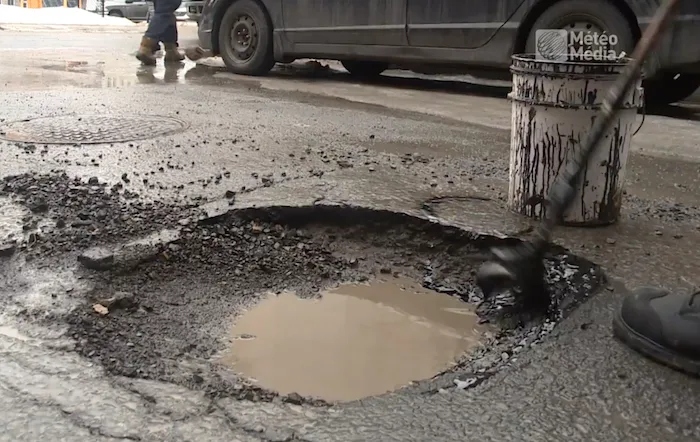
[584,16]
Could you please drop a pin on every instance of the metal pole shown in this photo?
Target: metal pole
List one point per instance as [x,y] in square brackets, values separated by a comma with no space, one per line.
[103,7]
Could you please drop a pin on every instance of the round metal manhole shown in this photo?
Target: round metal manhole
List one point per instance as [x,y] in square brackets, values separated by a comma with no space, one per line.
[90,129]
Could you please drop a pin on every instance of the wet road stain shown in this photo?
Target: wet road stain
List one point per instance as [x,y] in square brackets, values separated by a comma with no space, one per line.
[358,340]
[129,73]
[76,66]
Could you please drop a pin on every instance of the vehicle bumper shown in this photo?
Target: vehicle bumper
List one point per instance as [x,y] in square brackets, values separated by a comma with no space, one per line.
[193,9]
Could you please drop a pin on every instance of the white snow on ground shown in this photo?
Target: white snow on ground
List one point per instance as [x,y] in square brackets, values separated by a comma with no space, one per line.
[57,16]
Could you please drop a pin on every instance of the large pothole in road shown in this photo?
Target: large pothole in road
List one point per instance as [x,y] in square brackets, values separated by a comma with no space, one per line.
[328,302]
[323,302]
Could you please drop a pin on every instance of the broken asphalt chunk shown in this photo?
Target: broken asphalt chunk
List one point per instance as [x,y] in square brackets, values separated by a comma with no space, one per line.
[120,300]
[97,258]
[129,255]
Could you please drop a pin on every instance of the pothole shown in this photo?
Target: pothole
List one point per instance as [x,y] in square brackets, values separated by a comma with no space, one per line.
[170,317]
[90,129]
[176,326]
[355,341]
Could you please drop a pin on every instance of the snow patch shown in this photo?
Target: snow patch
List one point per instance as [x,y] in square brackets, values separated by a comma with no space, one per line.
[57,16]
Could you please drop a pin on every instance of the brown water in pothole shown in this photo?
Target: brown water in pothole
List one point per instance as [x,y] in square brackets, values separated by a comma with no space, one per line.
[356,341]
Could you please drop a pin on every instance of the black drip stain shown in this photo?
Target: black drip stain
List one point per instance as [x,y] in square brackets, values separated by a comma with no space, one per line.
[612,190]
[525,163]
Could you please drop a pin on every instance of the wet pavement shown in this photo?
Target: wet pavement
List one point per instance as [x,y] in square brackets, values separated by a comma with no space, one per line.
[305,137]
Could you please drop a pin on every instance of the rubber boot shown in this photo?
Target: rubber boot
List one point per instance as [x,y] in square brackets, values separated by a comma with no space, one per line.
[145,52]
[663,326]
[172,53]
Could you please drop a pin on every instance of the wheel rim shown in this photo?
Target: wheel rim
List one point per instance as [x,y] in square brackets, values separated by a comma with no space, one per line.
[244,37]
[590,26]
[585,24]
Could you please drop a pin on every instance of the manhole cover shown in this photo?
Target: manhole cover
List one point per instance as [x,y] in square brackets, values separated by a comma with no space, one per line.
[90,129]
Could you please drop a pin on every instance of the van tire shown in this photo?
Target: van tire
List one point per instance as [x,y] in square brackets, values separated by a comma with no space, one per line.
[665,88]
[602,13]
[251,23]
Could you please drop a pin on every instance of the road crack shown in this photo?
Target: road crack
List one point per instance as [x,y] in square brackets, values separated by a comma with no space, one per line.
[72,417]
[258,433]
[93,429]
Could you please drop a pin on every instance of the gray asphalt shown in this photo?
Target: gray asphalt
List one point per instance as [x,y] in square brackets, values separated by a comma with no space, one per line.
[577,385]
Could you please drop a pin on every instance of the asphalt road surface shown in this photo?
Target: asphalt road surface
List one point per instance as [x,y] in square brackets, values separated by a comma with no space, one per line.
[305,134]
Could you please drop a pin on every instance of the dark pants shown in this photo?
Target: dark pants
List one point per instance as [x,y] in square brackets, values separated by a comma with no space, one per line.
[163,24]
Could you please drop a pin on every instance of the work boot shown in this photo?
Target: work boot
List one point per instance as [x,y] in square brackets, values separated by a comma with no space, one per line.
[145,52]
[172,53]
[195,53]
[156,49]
[662,326]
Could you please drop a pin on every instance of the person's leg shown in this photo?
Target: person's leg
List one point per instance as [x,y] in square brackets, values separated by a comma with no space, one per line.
[152,37]
[157,29]
[156,44]
[170,37]
[662,326]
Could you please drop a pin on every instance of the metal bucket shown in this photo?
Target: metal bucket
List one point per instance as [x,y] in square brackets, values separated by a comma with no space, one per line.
[554,105]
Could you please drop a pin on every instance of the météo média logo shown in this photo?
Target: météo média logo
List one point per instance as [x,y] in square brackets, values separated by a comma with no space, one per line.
[563,45]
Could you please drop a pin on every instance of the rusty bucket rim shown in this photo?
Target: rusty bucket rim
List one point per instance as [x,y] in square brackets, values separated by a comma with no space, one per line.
[532,58]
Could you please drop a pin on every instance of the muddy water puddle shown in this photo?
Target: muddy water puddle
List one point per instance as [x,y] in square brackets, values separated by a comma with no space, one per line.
[357,340]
